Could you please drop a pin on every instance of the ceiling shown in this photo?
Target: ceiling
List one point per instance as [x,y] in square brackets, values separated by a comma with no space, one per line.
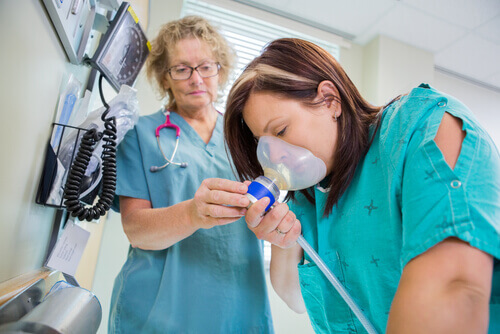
[463,35]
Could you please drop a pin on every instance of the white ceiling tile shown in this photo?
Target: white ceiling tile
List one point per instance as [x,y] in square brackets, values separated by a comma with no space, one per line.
[490,30]
[471,56]
[349,16]
[415,28]
[465,13]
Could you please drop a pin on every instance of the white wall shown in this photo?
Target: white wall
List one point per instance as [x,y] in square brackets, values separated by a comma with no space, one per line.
[483,102]
[391,68]
[33,64]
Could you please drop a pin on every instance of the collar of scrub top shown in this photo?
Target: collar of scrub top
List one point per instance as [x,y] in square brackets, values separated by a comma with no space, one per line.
[170,161]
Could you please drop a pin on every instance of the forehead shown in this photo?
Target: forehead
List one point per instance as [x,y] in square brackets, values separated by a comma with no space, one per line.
[263,107]
[190,51]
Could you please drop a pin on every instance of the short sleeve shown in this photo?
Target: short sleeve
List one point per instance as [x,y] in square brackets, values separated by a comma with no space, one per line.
[131,179]
[438,202]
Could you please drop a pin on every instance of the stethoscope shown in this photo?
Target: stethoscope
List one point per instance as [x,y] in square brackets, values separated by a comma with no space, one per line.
[170,161]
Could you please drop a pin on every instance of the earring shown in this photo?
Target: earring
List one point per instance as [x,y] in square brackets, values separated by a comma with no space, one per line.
[335,116]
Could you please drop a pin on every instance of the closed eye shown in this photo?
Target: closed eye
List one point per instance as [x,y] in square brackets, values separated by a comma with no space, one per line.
[282,132]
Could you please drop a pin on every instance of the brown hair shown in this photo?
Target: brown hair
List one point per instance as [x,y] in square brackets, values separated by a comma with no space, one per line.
[293,68]
[158,61]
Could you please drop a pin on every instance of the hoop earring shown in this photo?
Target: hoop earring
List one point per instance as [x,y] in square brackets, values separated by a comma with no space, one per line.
[335,117]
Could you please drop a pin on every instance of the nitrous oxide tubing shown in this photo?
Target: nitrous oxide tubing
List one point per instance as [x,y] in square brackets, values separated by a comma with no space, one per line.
[336,284]
[265,186]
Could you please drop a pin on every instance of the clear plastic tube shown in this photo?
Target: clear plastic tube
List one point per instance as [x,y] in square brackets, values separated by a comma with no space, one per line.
[336,284]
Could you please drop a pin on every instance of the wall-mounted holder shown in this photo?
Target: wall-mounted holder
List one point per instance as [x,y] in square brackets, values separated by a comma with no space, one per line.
[59,157]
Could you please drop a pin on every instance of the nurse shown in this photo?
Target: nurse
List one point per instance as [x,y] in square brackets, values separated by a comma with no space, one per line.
[408,215]
[193,265]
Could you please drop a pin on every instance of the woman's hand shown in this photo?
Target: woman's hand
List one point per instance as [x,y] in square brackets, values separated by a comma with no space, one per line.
[279,225]
[218,202]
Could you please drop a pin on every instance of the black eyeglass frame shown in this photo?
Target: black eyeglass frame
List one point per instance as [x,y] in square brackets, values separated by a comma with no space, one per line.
[195,69]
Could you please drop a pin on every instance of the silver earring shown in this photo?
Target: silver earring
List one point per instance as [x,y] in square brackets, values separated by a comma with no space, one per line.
[335,116]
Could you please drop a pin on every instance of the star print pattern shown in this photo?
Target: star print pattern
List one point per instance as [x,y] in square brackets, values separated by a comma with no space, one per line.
[370,208]
[374,261]
[351,329]
[444,224]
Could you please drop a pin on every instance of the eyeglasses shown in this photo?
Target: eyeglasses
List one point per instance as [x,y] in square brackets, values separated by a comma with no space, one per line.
[184,72]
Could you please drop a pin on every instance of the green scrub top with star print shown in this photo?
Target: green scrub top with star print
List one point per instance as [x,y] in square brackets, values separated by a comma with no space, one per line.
[403,200]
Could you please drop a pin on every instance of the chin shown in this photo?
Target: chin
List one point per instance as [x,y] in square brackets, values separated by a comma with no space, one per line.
[202,105]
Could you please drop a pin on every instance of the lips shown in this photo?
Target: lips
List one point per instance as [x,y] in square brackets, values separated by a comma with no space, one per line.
[197,92]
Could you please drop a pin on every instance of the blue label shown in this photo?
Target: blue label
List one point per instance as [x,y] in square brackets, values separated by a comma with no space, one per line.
[258,191]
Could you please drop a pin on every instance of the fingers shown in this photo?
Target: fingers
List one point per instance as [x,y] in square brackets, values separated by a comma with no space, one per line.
[290,238]
[223,192]
[279,217]
[219,202]
[221,211]
[286,223]
[279,226]
[226,185]
[256,212]
[226,198]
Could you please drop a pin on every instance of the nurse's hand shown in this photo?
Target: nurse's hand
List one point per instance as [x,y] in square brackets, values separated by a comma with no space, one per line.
[279,225]
[218,202]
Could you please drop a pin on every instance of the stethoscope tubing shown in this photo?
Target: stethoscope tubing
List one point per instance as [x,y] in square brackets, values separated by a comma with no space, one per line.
[170,161]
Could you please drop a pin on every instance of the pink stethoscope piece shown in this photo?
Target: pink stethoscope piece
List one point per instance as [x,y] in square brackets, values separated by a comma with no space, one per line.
[168,124]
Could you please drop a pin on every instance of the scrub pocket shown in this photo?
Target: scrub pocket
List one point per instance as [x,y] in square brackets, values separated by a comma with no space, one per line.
[327,310]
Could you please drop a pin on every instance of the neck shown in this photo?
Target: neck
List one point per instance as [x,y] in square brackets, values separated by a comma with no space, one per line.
[206,114]
[201,120]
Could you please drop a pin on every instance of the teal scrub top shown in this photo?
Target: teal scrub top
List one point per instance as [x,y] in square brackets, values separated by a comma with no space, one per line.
[211,282]
[403,200]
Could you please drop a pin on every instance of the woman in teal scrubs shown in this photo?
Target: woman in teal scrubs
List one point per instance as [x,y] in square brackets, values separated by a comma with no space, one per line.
[408,215]
[193,265]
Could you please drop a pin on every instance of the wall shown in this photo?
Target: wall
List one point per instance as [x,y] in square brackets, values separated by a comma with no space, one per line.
[392,68]
[351,59]
[33,64]
[484,102]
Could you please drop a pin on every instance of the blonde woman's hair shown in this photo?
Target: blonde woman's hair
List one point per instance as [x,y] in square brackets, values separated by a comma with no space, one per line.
[170,34]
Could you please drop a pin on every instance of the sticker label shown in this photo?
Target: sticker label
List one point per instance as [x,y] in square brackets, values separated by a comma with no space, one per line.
[68,250]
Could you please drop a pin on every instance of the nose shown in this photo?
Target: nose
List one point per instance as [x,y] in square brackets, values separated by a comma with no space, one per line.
[196,77]
[277,155]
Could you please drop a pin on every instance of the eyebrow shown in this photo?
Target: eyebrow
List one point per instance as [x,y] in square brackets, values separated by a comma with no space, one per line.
[266,128]
[185,63]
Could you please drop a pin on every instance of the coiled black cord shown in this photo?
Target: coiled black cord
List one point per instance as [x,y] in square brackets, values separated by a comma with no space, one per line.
[82,159]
